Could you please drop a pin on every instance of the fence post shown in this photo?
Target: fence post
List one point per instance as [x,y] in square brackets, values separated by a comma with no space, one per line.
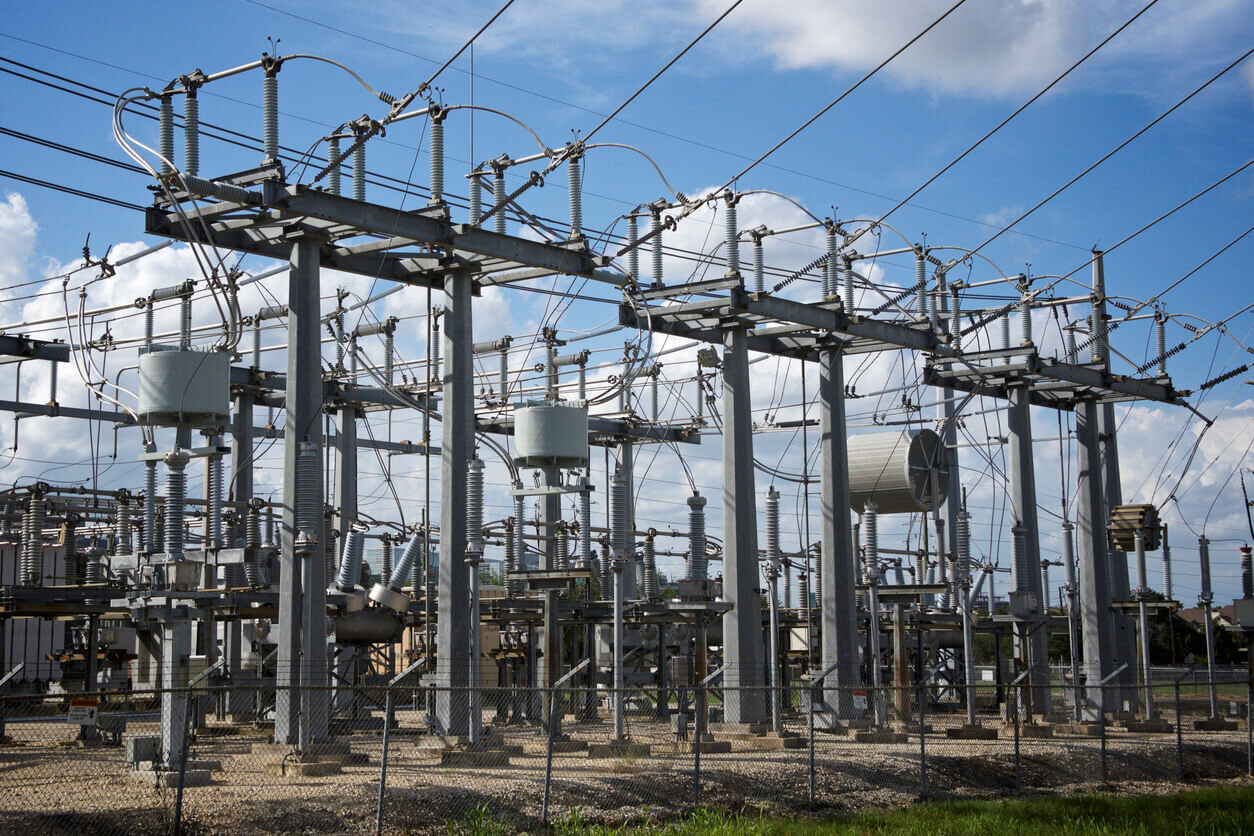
[548,757]
[810,705]
[388,711]
[178,797]
[923,738]
[1014,710]
[1101,716]
[1179,734]
[698,727]
[1249,727]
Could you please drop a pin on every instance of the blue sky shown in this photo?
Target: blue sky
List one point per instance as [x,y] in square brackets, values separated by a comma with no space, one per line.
[559,65]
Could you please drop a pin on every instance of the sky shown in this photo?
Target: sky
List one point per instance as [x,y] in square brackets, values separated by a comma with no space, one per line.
[561,66]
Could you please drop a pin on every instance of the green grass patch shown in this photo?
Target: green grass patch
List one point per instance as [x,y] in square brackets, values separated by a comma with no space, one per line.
[1213,810]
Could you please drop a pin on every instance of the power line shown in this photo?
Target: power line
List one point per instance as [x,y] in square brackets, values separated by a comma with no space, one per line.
[35,181]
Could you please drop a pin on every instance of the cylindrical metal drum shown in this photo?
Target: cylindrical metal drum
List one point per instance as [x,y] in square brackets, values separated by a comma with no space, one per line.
[899,470]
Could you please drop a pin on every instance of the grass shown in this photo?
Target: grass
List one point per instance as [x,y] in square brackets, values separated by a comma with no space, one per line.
[1213,810]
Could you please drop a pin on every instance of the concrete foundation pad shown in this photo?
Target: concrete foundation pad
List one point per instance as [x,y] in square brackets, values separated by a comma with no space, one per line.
[767,742]
[1215,724]
[619,749]
[478,758]
[1028,731]
[1148,726]
[912,728]
[971,732]
[1079,729]
[304,769]
[170,777]
[565,747]
[738,728]
[877,736]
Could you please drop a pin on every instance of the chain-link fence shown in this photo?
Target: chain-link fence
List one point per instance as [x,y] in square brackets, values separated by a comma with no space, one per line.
[205,759]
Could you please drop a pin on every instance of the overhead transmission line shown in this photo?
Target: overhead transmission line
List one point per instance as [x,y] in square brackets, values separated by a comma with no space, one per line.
[1017,111]
[688,210]
[47,184]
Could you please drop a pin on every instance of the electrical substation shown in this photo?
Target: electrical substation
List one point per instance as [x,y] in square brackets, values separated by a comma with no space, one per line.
[521,594]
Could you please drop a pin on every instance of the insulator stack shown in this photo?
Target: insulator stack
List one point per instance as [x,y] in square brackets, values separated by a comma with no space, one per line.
[359,169]
[476,198]
[1072,354]
[252,544]
[574,183]
[385,570]
[333,165]
[920,283]
[633,252]
[474,507]
[620,513]
[159,528]
[308,491]
[213,495]
[32,542]
[185,320]
[656,252]
[191,133]
[787,587]
[165,134]
[733,237]
[520,542]
[1203,553]
[175,498]
[871,540]
[831,269]
[759,267]
[437,159]
[74,564]
[339,336]
[772,526]
[1167,587]
[498,199]
[962,535]
[510,565]
[562,547]
[270,113]
[148,326]
[1005,332]
[408,558]
[1018,533]
[350,561]
[1160,340]
[121,526]
[606,568]
[803,591]
[1247,573]
[94,568]
[651,591]
[818,582]
[585,527]
[697,561]
[1025,318]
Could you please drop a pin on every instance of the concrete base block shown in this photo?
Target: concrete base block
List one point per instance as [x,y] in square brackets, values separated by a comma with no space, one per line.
[770,741]
[477,758]
[1152,726]
[739,728]
[1079,729]
[971,732]
[708,747]
[620,749]
[1028,731]
[911,728]
[170,777]
[1215,724]
[304,769]
[877,736]
[566,747]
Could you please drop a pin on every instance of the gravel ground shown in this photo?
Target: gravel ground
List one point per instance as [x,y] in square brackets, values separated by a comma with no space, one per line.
[50,785]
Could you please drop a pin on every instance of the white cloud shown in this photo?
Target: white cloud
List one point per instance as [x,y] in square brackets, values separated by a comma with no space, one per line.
[17,238]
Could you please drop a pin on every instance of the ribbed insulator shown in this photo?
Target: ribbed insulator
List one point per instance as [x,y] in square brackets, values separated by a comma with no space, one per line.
[476,199]
[620,537]
[635,565]
[963,545]
[772,526]
[148,326]
[339,339]
[257,345]
[165,134]
[633,254]
[437,160]
[73,560]
[920,284]
[94,569]
[607,571]
[955,318]
[585,526]
[185,321]
[656,253]
[252,544]
[235,576]
[270,115]
[308,491]
[1203,554]
[732,231]
[561,542]
[350,559]
[330,566]
[803,591]
[33,564]
[759,267]
[1167,586]
[213,495]
[651,591]
[510,565]
[1022,569]
[871,537]
[175,497]
[385,570]
[787,587]
[474,507]
[574,187]
[159,528]
[697,560]
[498,200]
[333,170]
[831,268]
[408,557]
[1097,342]
[1072,353]
[1160,342]
[520,542]
[1025,320]
[191,133]
[359,170]
[122,527]
[1247,573]
[271,528]
[818,582]
[389,356]
[1005,333]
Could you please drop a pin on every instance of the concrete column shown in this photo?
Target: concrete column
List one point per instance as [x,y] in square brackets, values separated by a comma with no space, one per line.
[345,492]
[627,471]
[456,448]
[1093,565]
[176,646]
[240,489]
[742,626]
[838,561]
[301,631]
[1027,578]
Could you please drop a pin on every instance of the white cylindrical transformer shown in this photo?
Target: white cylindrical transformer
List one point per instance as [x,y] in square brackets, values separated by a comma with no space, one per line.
[897,470]
[184,387]
[551,435]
